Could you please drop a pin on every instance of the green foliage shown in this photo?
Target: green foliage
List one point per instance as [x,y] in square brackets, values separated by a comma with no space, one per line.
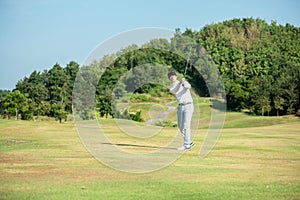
[129,115]
[87,114]
[259,64]
[158,91]
[104,106]
[44,94]
[59,112]
[165,123]
[3,94]
[139,97]
[136,116]
[17,104]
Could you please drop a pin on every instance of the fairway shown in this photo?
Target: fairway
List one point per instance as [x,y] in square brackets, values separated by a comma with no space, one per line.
[47,160]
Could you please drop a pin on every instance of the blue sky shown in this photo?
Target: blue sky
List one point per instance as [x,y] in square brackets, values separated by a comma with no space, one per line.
[36,34]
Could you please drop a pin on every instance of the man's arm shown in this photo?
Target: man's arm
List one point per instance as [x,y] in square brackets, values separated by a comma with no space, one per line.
[185,84]
[175,87]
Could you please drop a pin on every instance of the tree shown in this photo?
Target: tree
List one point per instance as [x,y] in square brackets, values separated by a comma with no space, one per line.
[245,50]
[17,104]
[56,80]
[258,62]
[260,90]
[263,103]
[104,106]
[59,112]
[71,71]
[3,95]
[278,104]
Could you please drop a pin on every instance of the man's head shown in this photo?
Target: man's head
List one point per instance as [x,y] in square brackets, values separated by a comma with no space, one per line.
[172,76]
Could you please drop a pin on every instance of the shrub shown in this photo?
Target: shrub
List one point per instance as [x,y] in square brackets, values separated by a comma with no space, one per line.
[136,116]
[139,98]
[165,123]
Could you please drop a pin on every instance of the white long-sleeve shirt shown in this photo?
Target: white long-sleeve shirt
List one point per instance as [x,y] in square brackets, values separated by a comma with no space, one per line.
[182,92]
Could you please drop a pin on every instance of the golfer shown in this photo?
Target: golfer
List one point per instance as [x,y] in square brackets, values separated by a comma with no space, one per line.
[181,89]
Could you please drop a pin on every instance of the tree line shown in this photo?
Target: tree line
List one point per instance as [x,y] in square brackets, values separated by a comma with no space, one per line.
[47,93]
[258,62]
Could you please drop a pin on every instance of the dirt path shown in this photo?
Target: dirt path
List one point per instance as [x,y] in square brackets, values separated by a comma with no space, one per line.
[162,115]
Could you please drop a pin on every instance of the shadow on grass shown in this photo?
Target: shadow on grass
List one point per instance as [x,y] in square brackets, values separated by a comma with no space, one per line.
[136,145]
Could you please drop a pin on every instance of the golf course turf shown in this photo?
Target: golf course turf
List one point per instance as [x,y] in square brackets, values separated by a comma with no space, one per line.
[255,158]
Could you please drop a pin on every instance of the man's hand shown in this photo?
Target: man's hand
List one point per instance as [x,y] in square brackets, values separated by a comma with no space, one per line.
[185,84]
[182,80]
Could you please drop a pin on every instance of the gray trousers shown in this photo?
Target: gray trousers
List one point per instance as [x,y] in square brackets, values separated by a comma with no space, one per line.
[184,117]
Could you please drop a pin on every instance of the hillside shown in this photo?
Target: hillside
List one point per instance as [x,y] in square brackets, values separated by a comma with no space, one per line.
[259,64]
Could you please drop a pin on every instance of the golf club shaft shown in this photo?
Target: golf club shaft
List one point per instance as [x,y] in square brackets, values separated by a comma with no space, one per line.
[187,62]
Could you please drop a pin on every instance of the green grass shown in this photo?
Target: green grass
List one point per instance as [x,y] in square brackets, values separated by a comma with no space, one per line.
[255,158]
[154,189]
[232,119]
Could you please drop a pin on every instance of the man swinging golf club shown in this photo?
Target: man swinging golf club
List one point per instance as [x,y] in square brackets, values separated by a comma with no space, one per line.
[181,89]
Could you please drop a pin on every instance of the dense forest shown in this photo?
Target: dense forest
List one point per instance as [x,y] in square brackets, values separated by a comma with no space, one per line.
[41,94]
[259,64]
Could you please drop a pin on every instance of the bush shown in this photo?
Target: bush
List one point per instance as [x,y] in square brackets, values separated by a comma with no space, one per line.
[158,91]
[165,123]
[136,116]
[139,97]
